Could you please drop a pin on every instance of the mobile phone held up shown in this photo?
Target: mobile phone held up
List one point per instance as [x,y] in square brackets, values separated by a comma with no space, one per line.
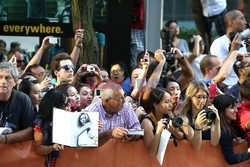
[79,25]
[53,40]
[212,90]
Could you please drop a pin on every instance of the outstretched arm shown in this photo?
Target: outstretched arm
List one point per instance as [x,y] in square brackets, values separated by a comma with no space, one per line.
[38,56]
[155,76]
[19,136]
[141,78]
[78,45]
[187,71]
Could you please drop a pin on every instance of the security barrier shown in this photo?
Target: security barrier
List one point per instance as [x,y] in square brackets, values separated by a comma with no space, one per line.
[116,153]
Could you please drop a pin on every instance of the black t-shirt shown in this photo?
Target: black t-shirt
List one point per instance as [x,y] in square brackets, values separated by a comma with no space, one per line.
[17,113]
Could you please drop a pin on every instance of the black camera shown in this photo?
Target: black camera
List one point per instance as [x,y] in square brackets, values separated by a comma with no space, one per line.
[210,115]
[166,37]
[177,122]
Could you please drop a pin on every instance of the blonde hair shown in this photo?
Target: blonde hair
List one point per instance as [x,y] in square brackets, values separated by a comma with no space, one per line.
[191,91]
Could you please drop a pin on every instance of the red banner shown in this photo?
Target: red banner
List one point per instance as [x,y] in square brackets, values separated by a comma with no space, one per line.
[123,154]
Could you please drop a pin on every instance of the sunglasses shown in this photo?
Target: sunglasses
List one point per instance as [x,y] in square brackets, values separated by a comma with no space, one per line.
[67,67]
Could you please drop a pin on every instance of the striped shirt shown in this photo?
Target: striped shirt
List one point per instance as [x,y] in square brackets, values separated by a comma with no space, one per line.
[125,118]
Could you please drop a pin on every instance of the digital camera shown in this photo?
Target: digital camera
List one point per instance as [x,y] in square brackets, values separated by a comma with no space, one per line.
[90,68]
[210,115]
[166,45]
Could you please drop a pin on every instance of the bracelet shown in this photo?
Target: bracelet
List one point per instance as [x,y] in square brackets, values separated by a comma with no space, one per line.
[6,139]
[197,129]
[78,45]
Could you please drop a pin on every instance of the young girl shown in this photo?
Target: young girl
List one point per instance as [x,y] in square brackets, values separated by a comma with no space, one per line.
[155,121]
[33,89]
[227,110]
[198,126]
[43,125]
[73,95]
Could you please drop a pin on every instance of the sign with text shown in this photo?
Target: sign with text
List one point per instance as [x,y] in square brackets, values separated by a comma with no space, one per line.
[36,29]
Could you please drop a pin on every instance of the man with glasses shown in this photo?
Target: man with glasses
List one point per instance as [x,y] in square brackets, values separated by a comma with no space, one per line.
[16,110]
[63,64]
[116,115]
[242,69]
[62,68]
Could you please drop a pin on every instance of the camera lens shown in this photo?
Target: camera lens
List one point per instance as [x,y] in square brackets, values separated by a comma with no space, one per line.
[177,122]
[210,115]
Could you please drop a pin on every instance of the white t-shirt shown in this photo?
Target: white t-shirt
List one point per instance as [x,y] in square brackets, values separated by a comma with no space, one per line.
[220,48]
[213,7]
[198,76]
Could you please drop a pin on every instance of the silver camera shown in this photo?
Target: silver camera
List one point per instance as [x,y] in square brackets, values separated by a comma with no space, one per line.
[90,68]
[243,35]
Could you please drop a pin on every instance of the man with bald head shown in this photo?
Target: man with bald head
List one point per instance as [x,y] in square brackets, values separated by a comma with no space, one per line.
[116,115]
[235,22]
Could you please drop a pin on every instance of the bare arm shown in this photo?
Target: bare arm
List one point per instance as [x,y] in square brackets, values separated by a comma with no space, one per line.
[42,149]
[215,128]
[116,133]
[198,125]
[226,67]
[19,136]
[37,57]
[177,132]
[155,76]
[78,45]
[141,78]
[196,49]
[187,71]
[152,140]
[187,129]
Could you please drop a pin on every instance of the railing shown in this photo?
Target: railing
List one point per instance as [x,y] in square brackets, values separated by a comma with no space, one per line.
[116,153]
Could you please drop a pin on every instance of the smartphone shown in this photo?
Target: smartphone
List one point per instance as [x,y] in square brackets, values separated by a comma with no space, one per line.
[53,40]
[79,25]
[212,90]
[98,92]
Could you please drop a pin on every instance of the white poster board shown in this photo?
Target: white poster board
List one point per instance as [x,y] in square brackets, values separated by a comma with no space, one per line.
[75,129]
[165,135]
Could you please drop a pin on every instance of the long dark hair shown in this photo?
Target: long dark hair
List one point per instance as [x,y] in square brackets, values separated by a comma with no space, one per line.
[25,85]
[222,102]
[157,94]
[79,123]
[53,98]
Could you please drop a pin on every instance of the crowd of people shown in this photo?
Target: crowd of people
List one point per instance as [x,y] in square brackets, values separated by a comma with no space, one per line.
[199,97]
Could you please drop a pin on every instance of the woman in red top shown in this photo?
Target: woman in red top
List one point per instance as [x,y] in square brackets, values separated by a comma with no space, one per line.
[43,125]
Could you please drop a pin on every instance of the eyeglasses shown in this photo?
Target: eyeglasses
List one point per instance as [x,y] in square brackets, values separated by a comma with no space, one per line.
[67,67]
[201,97]
[120,100]
[116,71]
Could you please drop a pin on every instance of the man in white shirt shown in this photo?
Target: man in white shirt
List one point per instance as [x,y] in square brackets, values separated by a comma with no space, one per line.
[235,22]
